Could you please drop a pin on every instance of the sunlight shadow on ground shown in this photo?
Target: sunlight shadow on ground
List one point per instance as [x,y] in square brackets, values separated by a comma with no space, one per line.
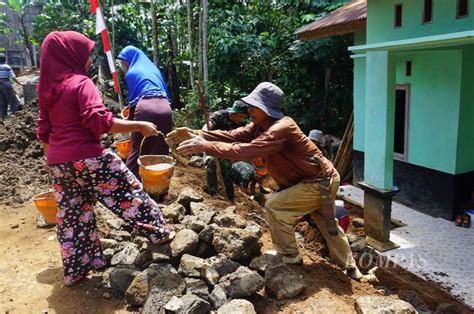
[82,298]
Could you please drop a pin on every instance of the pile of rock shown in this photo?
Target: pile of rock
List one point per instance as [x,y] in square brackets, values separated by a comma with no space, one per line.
[213,263]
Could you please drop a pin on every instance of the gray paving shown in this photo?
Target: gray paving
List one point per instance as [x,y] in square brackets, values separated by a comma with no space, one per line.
[432,248]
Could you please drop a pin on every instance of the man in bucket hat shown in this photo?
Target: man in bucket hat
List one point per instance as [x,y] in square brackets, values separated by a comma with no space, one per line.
[293,161]
[226,119]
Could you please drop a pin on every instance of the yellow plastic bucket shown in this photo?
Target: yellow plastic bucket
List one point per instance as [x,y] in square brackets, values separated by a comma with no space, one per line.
[46,205]
[156,172]
[123,148]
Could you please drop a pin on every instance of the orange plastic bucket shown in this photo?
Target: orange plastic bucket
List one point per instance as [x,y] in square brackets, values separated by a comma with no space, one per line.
[125,112]
[46,205]
[156,172]
[123,148]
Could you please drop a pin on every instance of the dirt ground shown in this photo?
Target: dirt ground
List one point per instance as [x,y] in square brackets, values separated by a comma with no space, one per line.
[30,264]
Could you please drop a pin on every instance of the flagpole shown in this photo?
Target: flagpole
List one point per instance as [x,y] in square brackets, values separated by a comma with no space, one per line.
[101,28]
[119,89]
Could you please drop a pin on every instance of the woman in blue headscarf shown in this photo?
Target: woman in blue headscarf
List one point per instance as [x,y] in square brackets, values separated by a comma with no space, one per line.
[149,100]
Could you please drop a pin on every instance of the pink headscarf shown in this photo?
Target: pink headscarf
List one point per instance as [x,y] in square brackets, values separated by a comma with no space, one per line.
[63,54]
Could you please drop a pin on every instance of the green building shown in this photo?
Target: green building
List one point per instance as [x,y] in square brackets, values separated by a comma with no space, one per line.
[413,98]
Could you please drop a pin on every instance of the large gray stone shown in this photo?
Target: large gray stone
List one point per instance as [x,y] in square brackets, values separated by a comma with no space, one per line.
[191,266]
[138,290]
[166,284]
[121,278]
[222,264]
[283,282]
[262,262]
[189,304]
[206,216]
[108,254]
[174,212]
[241,283]
[108,244]
[218,297]
[238,244]
[210,275]
[193,223]
[204,250]
[196,208]
[228,220]
[160,253]
[187,196]
[126,256]
[382,305]
[143,259]
[207,234]
[174,305]
[255,229]
[238,306]
[185,242]
[197,287]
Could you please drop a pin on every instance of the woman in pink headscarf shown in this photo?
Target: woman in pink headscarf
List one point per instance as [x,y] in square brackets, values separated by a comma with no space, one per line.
[72,117]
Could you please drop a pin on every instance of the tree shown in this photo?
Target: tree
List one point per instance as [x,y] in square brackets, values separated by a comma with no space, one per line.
[205,16]
[20,7]
[190,42]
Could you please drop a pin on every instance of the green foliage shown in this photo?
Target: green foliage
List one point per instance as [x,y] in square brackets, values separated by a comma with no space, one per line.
[16,5]
[250,41]
[253,41]
[4,29]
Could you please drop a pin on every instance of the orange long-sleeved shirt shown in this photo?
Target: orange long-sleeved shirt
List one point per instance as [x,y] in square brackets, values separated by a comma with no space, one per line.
[283,146]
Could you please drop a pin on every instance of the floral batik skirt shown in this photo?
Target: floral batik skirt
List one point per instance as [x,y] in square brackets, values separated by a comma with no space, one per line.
[78,185]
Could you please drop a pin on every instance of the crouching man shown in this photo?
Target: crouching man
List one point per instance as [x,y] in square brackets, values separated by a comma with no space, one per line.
[308,181]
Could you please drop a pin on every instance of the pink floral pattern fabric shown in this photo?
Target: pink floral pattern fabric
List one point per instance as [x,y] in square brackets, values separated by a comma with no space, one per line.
[77,186]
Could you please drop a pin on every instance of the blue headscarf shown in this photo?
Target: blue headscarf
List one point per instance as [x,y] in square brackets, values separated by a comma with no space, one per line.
[143,77]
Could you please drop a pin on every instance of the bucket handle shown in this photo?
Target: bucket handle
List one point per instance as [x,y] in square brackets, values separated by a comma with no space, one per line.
[143,141]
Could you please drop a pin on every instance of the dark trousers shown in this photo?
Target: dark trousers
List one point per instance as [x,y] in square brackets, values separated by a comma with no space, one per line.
[211,176]
[8,98]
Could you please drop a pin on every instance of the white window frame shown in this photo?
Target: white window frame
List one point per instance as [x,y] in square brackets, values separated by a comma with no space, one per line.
[406,88]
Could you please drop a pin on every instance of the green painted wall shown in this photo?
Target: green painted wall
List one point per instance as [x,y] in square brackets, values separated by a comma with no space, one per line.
[465,149]
[359,95]
[381,13]
[434,109]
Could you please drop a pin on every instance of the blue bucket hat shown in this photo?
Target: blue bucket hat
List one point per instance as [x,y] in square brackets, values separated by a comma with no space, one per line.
[268,97]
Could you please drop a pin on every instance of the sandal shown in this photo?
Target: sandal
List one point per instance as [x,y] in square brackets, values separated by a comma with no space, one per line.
[466,221]
[459,220]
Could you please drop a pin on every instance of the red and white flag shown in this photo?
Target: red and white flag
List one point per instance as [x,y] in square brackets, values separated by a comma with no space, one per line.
[101,28]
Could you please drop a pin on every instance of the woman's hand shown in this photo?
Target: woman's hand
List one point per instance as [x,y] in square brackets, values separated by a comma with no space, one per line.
[179,135]
[195,145]
[148,129]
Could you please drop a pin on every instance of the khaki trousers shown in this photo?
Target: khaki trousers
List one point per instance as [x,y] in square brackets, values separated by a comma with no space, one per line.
[284,207]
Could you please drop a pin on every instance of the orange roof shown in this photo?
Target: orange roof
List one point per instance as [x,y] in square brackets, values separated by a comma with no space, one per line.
[350,18]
